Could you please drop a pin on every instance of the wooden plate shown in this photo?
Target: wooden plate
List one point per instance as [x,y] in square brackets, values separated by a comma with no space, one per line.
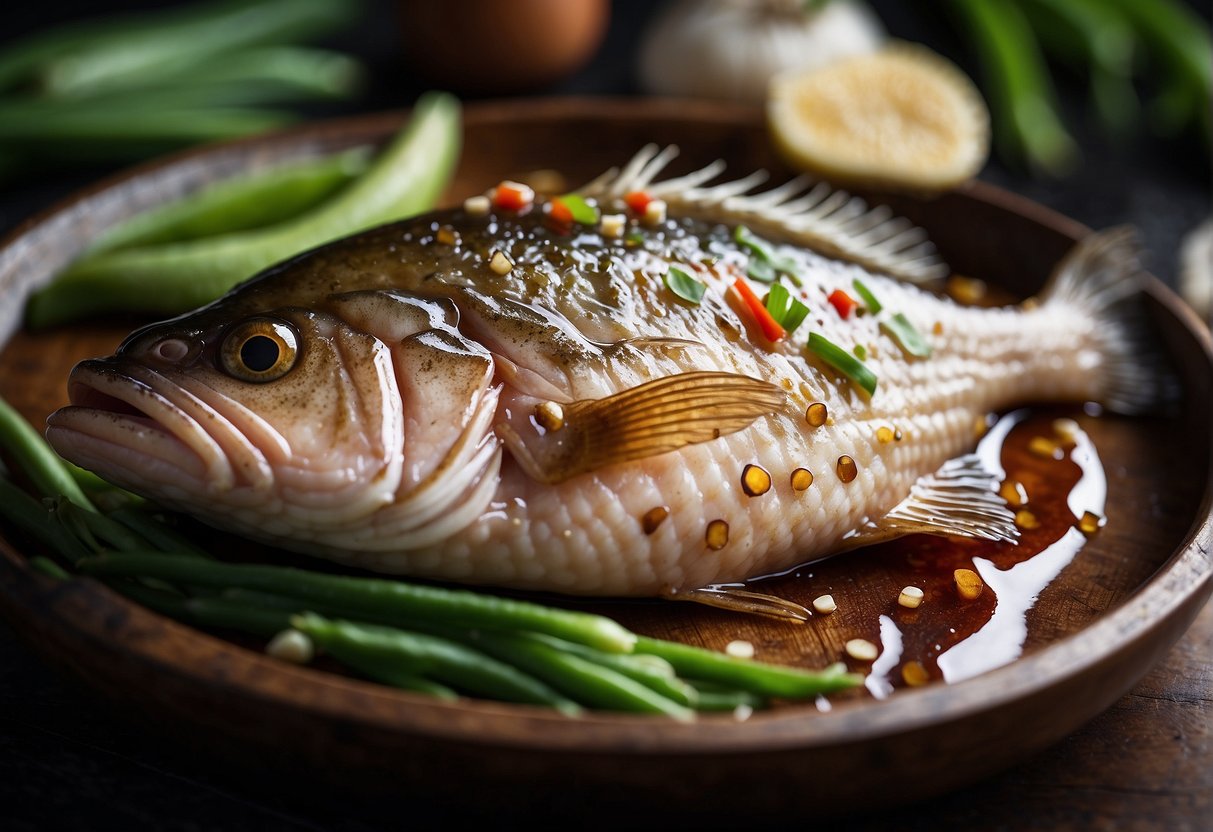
[1092,634]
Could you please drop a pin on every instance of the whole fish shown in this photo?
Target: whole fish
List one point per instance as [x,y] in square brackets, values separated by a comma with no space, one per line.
[589,395]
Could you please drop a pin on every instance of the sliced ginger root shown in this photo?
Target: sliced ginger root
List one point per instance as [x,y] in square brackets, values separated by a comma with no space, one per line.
[903,117]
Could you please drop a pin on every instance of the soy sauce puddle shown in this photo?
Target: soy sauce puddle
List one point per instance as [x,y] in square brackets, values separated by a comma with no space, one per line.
[947,637]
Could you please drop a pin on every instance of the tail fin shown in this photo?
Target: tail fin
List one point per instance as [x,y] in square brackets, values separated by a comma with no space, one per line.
[1103,278]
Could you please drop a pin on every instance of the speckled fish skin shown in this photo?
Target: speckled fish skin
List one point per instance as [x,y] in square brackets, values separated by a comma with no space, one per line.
[392,442]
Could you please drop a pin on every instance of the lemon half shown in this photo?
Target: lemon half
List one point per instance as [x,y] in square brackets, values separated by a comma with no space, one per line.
[903,117]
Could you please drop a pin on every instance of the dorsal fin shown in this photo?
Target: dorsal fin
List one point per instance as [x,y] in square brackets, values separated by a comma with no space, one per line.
[807,213]
[554,442]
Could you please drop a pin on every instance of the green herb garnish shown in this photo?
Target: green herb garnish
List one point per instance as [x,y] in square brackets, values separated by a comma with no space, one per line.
[685,286]
[904,333]
[861,352]
[843,362]
[787,311]
[869,299]
[765,266]
[761,270]
[582,211]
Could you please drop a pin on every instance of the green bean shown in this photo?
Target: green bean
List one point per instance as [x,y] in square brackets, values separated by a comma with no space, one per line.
[48,567]
[240,203]
[215,28]
[378,651]
[101,130]
[1026,123]
[36,521]
[20,61]
[407,177]
[73,525]
[745,674]
[420,684]
[1180,41]
[1095,35]
[712,697]
[383,600]
[34,457]
[102,529]
[213,612]
[158,533]
[589,683]
[651,671]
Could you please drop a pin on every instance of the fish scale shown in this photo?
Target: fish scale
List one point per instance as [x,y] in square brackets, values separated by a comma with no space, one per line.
[519,428]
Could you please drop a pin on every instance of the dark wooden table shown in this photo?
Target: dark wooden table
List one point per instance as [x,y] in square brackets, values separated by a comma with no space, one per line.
[68,761]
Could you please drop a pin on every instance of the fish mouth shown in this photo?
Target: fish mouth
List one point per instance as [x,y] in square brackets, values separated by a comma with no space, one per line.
[120,425]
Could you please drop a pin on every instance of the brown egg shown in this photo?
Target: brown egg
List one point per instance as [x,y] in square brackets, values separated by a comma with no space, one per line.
[496,46]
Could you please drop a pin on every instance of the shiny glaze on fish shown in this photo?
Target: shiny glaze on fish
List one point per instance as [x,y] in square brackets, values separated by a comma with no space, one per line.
[572,425]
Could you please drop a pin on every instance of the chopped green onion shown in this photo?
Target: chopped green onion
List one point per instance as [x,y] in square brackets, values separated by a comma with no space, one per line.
[869,299]
[861,352]
[582,211]
[785,309]
[755,245]
[765,266]
[685,286]
[634,238]
[761,270]
[904,333]
[843,362]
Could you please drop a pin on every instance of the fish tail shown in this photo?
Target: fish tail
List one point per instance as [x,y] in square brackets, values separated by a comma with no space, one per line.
[1102,279]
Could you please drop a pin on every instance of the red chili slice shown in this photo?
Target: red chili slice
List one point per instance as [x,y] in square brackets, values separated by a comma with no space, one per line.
[769,326]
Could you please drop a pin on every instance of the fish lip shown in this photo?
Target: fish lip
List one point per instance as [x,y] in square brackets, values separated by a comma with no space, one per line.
[111,404]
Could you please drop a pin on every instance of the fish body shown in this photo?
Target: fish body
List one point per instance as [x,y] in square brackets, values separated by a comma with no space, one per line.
[500,398]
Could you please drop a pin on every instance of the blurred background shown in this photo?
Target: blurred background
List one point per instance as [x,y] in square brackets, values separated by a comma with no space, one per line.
[1118,119]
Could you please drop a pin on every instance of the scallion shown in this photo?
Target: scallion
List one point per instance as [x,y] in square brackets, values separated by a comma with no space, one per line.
[843,362]
[869,300]
[905,334]
[785,309]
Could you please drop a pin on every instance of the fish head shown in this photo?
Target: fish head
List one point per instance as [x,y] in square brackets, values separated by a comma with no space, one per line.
[288,423]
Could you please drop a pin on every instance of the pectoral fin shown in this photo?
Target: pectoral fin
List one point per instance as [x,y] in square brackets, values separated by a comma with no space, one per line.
[959,500]
[554,442]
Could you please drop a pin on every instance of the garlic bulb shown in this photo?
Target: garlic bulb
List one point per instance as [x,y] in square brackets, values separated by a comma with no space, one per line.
[732,48]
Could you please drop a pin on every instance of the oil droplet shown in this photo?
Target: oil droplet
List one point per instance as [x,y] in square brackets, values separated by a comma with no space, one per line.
[654,518]
[884,435]
[755,481]
[938,328]
[816,415]
[717,534]
[1014,493]
[1089,523]
[1045,448]
[802,478]
[915,675]
[847,469]
[1026,519]
[549,415]
[968,583]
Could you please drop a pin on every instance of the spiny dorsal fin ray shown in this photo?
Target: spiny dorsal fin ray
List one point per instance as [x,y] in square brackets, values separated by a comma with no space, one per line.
[810,214]
[958,500]
[654,418]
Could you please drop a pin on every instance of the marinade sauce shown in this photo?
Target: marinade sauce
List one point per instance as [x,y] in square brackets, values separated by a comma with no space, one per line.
[1054,482]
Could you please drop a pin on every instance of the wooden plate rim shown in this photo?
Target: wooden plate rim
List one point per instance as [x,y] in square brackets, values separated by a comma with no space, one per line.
[1181,582]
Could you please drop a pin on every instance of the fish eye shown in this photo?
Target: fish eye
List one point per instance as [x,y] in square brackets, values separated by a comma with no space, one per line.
[259,350]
